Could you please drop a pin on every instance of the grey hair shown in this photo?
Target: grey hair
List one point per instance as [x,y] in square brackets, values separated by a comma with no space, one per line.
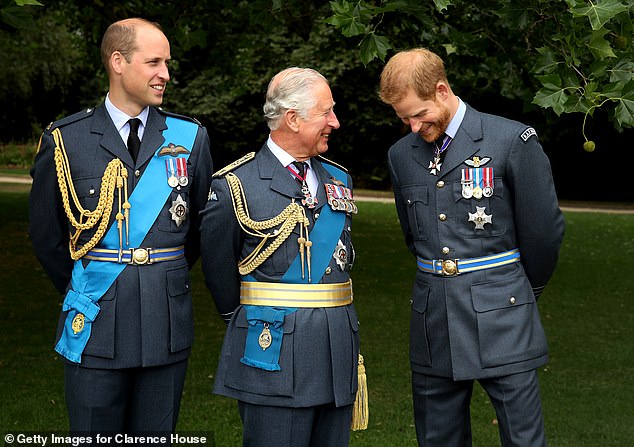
[290,89]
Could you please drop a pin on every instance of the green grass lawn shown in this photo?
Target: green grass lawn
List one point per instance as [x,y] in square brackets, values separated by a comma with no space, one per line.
[587,388]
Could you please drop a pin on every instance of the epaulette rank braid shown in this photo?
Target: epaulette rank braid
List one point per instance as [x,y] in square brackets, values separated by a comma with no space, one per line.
[230,167]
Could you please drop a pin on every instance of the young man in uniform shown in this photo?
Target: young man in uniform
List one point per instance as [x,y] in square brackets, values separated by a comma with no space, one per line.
[475,197]
[114,222]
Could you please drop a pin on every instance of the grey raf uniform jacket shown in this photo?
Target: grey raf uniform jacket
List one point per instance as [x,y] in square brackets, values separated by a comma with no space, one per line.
[146,315]
[319,351]
[485,323]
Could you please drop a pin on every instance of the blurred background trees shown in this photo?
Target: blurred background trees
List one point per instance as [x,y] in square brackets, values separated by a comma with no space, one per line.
[564,67]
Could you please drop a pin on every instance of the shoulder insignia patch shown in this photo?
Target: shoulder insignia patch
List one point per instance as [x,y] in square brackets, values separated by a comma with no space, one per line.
[230,167]
[324,159]
[527,134]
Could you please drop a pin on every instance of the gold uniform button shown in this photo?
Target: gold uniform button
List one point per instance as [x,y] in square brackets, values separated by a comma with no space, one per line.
[512,300]
[137,173]
[328,270]
[442,217]
[445,250]
[440,184]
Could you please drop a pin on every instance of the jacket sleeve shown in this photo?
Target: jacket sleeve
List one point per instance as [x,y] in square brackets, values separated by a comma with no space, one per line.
[220,248]
[48,224]
[203,169]
[539,223]
[401,208]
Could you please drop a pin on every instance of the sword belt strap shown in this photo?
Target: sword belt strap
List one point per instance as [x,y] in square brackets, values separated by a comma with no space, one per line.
[453,267]
[136,256]
[295,295]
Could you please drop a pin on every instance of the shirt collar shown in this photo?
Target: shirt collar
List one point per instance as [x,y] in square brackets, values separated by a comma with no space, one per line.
[120,119]
[454,124]
[284,157]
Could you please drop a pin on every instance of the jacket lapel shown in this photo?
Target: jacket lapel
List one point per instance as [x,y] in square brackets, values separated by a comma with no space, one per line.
[465,144]
[271,168]
[110,139]
[152,137]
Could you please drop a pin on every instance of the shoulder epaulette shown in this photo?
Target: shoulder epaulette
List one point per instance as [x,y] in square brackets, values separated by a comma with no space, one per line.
[230,167]
[71,119]
[322,158]
[527,133]
[176,115]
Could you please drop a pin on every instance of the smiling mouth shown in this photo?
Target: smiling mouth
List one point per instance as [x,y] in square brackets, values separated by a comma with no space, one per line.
[159,88]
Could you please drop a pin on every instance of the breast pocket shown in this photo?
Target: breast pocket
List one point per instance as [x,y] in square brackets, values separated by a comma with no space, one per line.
[493,208]
[416,199]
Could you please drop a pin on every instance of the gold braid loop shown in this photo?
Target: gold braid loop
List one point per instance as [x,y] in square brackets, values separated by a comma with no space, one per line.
[113,178]
[294,214]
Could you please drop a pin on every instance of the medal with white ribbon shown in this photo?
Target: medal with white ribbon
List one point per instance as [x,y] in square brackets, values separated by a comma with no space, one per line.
[170,168]
[467,183]
[477,182]
[181,164]
[487,182]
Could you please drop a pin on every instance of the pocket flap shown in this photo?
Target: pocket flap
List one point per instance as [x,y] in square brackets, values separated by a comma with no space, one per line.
[501,294]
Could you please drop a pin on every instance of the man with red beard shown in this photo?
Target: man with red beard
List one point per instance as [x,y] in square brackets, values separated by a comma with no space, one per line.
[477,205]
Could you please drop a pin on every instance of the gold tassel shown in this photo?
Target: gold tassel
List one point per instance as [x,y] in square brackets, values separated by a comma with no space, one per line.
[360,414]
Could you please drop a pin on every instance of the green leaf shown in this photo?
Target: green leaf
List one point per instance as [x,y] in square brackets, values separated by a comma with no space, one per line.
[624,113]
[599,46]
[441,5]
[373,46]
[600,13]
[551,94]
[623,71]
[28,3]
[546,60]
[348,18]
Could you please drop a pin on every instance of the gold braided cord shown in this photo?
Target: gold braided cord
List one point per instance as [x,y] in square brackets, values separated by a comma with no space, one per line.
[284,223]
[113,178]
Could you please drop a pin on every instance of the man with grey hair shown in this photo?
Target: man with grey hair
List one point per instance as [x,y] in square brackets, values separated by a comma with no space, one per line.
[277,253]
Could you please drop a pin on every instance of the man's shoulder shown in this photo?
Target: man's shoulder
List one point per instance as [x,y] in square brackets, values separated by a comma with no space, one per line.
[178,116]
[71,119]
[233,166]
[511,127]
[326,161]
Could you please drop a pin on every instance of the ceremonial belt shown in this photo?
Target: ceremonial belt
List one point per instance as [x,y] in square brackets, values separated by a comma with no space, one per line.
[295,295]
[453,267]
[136,256]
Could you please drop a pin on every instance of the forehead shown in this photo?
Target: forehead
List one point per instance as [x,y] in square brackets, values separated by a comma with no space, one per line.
[411,105]
[323,96]
[152,40]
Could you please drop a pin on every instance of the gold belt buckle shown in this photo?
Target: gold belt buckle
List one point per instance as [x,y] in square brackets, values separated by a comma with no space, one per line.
[450,267]
[140,256]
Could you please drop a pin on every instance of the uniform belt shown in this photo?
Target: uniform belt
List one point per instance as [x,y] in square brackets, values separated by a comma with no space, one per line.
[136,256]
[295,295]
[452,267]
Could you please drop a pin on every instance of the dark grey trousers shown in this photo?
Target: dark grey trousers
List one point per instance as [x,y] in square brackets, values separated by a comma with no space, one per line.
[441,410]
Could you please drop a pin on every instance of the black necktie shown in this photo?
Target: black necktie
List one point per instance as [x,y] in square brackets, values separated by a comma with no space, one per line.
[134,144]
[300,169]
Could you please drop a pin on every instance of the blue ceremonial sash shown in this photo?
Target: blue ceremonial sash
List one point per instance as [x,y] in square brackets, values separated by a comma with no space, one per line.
[89,284]
[325,237]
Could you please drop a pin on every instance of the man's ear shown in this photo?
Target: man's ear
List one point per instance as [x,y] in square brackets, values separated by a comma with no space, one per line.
[442,90]
[116,62]
[291,119]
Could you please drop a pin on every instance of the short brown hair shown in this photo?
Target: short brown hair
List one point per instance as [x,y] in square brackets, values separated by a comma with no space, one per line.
[121,36]
[417,69]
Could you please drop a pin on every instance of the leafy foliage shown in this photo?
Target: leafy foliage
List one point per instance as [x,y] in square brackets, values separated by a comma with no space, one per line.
[576,54]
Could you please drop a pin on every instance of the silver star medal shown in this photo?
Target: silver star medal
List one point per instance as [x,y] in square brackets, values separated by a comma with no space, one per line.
[178,210]
[341,255]
[479,218]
